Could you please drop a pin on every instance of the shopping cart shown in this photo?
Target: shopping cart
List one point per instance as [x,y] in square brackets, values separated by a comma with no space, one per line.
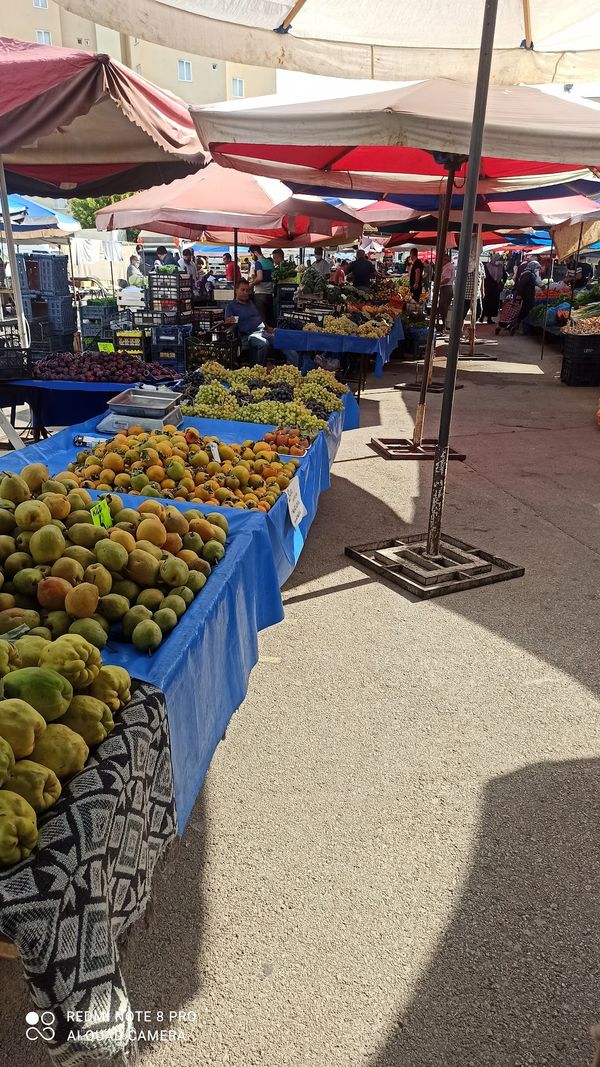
[509,313]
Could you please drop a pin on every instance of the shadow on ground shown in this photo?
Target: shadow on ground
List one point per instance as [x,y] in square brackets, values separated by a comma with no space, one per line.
[510,983]
[172,930]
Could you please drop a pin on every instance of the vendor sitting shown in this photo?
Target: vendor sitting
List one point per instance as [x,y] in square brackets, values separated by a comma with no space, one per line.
[252,331]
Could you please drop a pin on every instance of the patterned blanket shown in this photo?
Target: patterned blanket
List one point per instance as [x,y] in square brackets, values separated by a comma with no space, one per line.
[88,880]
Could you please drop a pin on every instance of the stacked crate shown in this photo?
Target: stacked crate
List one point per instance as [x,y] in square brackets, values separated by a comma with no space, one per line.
[169,345]
[171,295]
[581,359]
[46,298]
[96,323]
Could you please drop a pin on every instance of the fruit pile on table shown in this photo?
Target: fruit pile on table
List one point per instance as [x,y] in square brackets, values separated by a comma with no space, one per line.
[58,703]
[60,573]
[183,465]
[99,367]
[282,397]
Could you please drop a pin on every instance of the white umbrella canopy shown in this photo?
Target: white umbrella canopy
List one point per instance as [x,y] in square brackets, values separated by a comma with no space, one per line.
[535,41]
[385,139]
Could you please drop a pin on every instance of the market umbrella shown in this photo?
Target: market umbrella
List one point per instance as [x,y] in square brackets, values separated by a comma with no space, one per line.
[532,212]
[402,138]
[216,199]
[513,137]
[30,219]
[536,40]
[74,123]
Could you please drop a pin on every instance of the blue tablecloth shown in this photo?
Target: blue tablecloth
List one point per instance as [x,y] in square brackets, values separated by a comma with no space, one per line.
[204,665]
[380,347]
[60,403]
[314,477]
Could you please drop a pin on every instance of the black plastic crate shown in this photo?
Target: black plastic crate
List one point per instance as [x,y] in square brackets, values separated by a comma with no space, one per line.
[221,346]
[580,370]
[206,318]
[14,363]
[176,285]
[169,354]
[143,319]
[9,335]
[577,345]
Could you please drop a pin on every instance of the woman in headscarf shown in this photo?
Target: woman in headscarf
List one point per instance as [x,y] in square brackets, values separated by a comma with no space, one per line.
[493,284]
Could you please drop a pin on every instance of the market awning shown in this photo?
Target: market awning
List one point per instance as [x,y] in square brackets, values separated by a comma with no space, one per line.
[398,138]
[220,200]
[535,212]
[30,219]
[536,40]
[73,123]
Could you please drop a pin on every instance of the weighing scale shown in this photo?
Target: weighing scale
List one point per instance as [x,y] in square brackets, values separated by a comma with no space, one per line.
[145,406]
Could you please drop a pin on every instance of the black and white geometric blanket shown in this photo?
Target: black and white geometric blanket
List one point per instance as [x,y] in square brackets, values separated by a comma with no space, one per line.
[88,880]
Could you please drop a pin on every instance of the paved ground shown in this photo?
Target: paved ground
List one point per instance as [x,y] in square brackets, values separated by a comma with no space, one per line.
[394,860]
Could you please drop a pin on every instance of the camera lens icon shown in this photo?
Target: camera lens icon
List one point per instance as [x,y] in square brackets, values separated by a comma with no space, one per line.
[40,1026]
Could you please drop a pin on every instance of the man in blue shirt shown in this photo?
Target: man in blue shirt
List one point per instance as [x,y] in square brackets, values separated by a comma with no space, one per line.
[252,331]
[250,326]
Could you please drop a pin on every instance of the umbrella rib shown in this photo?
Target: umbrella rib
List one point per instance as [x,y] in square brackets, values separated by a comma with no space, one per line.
[336,159]
[527,24]
[286,25]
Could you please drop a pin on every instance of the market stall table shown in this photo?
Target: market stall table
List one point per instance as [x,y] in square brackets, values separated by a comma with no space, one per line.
[342,344]
[59,403]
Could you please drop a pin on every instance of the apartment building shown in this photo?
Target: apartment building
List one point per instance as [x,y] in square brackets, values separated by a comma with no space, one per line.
[195,78]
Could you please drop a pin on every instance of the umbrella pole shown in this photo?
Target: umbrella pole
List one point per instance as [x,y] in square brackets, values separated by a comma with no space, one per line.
[547,299]
[476,292]
[235,259]
[440,463]
[23,325]
[77,340]
[574,272]
[112,277]
[443,217]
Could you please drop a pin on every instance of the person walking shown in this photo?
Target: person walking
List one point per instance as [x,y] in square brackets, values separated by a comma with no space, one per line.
[446,289]
[414,266]
[493,284]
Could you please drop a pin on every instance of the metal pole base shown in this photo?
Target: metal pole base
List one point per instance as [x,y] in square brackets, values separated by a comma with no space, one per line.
[405,448]
[405,562]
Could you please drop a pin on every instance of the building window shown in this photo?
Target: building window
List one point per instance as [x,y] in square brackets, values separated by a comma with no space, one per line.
[184,70]
[43,36]
[41,4]
[237,87]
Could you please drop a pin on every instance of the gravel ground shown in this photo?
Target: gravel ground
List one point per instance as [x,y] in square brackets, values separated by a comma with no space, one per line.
[393,861]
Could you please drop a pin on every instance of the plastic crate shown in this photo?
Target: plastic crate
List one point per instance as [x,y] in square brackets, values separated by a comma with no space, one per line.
[169,354]
[58,309]
[206,318]
[103,313]
[168,333]
[580,370]
[577,345]
[43,272]
[14,363]
[141,319]
[174,286]
[222,347]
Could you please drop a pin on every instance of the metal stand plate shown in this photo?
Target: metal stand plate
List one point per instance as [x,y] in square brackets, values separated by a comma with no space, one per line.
[458,566]
[404,448]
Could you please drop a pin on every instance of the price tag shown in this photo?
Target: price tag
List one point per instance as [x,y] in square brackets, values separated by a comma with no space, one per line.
[105,346]
[214,451]
[295,503]
[101,515]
